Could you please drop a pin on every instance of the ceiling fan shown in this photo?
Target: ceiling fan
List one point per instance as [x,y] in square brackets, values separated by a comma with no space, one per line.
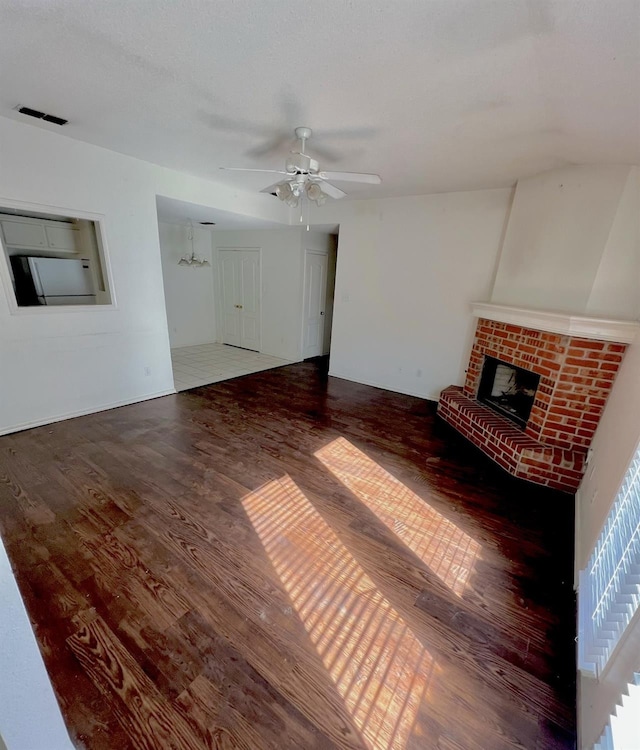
[303,176]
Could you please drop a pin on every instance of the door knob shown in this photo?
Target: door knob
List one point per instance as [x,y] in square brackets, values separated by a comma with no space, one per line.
[322,312]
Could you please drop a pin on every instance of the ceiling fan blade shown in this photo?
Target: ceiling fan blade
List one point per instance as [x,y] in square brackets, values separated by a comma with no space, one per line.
[229,125]
[244,169]
[332,191]
[270,148]
[371,179]
[350,133]
[325,154]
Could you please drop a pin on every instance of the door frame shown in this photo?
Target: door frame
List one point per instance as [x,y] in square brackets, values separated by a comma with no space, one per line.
[219,292]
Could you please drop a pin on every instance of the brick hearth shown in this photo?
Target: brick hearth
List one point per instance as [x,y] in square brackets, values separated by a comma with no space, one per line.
[576,375]
[509,446]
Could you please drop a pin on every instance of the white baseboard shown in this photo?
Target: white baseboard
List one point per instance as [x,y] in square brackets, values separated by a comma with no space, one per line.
[83,412]
[384,387]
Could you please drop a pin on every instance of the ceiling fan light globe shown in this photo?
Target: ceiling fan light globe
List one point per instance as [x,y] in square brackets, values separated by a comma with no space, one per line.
[283,191]
[314,191]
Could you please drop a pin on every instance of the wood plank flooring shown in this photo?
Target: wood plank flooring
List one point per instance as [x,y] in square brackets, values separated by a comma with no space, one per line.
[289,560]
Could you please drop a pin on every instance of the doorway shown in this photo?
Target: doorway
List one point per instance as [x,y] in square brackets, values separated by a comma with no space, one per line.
[319,283]
[240,282]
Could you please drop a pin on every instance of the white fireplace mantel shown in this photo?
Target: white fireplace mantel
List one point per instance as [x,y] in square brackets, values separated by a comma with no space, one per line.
[601,329]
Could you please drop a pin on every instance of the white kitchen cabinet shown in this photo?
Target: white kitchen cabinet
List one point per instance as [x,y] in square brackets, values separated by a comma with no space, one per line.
[24,234]
[62,237]
[35,234]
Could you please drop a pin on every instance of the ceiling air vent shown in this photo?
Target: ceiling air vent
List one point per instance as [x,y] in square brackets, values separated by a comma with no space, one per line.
[41,115]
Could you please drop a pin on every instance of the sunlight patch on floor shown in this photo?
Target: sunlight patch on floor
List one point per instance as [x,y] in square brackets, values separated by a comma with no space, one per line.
[379,667]
[449,552]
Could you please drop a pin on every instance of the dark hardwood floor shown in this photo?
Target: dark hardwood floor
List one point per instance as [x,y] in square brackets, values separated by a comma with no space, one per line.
[288,560]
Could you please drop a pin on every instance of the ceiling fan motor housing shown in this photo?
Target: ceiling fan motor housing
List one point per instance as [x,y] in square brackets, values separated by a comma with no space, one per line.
[301,164]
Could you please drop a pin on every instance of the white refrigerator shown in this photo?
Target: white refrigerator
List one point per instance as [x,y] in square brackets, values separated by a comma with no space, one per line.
[53,281]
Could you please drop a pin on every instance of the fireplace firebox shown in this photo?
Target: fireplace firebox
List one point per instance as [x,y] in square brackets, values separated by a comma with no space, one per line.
[508,390]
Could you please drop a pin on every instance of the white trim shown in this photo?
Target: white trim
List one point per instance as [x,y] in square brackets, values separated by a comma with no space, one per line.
[84,412]
[602,329]
[54,309]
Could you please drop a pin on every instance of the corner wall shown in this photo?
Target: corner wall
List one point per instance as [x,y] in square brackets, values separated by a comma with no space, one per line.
[188,292]
[571,243]
[408,271]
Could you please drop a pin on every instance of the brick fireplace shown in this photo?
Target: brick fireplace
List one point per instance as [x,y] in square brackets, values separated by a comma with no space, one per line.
[560,368]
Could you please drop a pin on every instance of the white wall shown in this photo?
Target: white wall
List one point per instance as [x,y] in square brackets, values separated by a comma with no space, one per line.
[408,270]
[567,245]
[55,364]
[616,286]
[188,292]
[282,269]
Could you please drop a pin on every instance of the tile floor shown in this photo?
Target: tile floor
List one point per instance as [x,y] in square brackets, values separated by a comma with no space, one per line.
[211,363]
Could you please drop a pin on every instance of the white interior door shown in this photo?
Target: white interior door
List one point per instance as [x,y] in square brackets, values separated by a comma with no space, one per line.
[315,295]
[231,297]
[240,279]
[250,310]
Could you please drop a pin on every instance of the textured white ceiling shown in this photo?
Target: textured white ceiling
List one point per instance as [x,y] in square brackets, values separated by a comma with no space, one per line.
[434,95]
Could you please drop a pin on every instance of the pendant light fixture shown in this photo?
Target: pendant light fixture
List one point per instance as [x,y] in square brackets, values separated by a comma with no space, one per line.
[193,261]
